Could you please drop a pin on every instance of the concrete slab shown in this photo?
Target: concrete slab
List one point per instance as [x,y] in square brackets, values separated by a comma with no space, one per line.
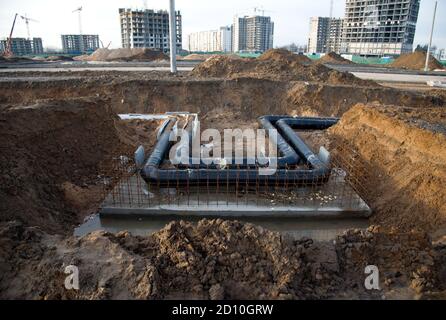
[335,199]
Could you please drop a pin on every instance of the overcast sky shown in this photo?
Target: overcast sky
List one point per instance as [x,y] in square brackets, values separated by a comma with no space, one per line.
[291,17]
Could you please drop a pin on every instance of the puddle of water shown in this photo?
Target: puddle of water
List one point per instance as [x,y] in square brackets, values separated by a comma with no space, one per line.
[322,230]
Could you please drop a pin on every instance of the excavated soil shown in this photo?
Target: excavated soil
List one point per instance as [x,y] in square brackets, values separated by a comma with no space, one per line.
[53,150]
[124,54]
[275,64]
[249,98]
[333,58]
[216,259]
[416,61]
[51,153]
[404,151]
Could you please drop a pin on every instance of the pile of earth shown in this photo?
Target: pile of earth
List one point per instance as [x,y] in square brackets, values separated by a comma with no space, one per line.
[416,61]
[333,58]
[216,259]
[196,56]
[276,64]
[283,55]
[50,170]
[124,54]
[402,155]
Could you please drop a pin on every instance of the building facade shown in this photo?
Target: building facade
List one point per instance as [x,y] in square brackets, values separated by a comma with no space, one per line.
[325,34]
[226,38]
[79,43]
[23,46]
[211,41]
[252,33]
[148,29]
[205,41]
[379,27]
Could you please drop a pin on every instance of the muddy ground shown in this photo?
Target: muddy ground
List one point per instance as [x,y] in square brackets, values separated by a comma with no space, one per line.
[59,133]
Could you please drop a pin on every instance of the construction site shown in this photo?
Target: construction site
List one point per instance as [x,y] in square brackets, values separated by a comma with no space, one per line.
[86,180]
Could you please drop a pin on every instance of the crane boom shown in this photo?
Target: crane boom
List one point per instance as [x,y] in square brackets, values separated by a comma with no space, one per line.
[79,10]
[27,20]
[8,49]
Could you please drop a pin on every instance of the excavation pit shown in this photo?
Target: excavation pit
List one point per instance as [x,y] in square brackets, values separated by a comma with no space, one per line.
[313,186]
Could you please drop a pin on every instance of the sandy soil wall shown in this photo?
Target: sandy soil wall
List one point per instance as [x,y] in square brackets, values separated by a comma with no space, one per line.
[249,97]
[50,155]
[405,151]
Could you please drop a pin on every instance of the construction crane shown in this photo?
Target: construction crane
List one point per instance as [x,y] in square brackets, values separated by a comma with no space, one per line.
[260,9]
[8,50]
[79,10]
[27,20]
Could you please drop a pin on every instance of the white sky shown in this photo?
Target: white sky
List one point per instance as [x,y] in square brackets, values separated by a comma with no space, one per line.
[291,17]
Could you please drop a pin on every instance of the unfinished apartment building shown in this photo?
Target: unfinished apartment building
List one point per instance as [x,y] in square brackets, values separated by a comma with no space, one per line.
[22,46]
[252,34]
[79,43]
[379,27]
[148,29]
[325,34]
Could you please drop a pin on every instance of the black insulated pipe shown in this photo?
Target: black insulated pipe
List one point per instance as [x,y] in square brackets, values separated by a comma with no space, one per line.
[318,172]
[288,155]
[287,125]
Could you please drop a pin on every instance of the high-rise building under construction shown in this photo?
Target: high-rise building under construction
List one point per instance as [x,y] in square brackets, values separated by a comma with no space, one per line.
[379,27]
[148,29]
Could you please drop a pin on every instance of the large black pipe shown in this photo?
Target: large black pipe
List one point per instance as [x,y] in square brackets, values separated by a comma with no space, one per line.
[287,156]
[287,125]
[318,173]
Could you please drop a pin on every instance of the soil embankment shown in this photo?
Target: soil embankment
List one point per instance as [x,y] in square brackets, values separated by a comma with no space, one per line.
[405,153]
[124,54]
[51,153]
[275,65]
[53,150]
[416,61]
[214,259]
[333,58]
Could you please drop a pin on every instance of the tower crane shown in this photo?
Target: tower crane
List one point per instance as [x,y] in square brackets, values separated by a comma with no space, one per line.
[79,11]
[27,20]
[261,10]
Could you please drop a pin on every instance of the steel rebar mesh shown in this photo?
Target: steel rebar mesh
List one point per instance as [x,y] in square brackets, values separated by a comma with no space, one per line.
[123,187]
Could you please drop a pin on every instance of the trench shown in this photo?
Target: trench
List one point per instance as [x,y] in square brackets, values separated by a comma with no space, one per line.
[317,228]
[220,103]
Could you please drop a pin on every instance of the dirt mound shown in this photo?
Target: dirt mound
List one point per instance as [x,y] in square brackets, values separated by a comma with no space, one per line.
[274,65]
[125,54]
[58,156]
[404,152]
[416,61]
[214,259]
[196,56]
[283,55]
[333,58]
